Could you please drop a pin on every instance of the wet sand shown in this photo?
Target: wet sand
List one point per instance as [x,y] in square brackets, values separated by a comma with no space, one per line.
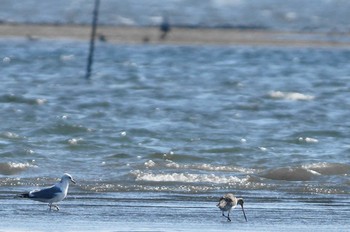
[172,212]
[178,36]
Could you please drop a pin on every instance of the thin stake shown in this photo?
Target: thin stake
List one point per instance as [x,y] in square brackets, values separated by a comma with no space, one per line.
[92,39]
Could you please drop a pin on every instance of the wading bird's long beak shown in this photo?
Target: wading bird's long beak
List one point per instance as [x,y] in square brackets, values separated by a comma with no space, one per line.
[73,181]
[244,214]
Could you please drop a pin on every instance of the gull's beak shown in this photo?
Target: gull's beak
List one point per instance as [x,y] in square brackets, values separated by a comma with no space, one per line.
[73,181]
[244,214]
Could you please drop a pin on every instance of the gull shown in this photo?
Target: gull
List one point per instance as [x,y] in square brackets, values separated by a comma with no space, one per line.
[53,194]
[227,202]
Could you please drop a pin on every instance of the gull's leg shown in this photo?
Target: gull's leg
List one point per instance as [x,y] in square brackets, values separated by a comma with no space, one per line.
[57,208]
[52,207]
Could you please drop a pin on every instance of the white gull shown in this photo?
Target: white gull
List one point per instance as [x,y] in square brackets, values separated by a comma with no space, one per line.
[53,194]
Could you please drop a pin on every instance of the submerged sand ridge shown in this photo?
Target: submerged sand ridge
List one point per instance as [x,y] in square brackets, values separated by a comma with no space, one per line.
[178,35]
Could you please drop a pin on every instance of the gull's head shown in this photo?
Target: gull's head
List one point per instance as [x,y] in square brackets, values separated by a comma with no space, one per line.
[67,177]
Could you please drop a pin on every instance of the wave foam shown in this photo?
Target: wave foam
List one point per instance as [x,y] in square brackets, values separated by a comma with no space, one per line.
[294,96]
[204,167]
[9,135]
[307,140]
[74,141]
[186,177]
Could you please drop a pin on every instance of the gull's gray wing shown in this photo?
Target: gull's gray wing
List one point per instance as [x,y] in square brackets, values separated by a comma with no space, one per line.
[45,194]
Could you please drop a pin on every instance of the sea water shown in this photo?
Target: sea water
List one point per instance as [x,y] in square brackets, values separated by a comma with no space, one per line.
[159,133]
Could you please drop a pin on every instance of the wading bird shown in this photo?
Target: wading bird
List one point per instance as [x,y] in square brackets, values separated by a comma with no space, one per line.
[53,194]
[227,202]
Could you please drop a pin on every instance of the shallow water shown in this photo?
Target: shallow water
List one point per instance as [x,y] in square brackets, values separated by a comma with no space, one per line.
[177,212]
[159,133]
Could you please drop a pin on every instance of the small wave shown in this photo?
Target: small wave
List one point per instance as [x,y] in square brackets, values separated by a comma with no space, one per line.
[9,135]
[147,188]
[66,128]
[290,174]
[294,96]
[307,140]
[204,167]
[150,164]
[74,141]
[67,58]
[329,168]
[321,190]
[14,168]
[12,98]
[186,178]
[226,149]
[210,167]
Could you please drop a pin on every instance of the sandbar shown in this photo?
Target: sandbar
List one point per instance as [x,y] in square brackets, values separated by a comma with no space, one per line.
[177,35]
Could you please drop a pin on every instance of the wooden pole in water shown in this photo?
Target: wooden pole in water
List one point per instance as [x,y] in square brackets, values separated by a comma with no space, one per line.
[92,39]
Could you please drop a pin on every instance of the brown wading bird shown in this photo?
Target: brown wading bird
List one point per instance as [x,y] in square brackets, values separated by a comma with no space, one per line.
[227,202]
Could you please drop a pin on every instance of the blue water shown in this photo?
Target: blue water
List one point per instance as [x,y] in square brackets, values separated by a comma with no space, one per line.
[150,112]
[176,126]
[299,15]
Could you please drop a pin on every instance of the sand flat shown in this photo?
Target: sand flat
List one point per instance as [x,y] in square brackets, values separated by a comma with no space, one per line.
[181,36]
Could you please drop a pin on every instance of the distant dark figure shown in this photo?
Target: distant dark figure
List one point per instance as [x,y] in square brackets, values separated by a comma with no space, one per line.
[145,39]
[102,38]
[164,28]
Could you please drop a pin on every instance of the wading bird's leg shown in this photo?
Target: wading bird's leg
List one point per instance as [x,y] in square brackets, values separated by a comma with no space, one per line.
[228,216]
